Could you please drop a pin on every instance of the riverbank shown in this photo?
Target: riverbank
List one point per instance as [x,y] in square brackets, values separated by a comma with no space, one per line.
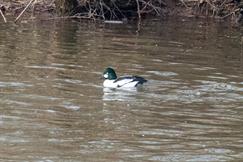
[34,10]
[48,9]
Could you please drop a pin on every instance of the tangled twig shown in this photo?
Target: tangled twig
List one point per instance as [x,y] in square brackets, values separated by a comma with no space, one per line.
[2,14]
[24,10]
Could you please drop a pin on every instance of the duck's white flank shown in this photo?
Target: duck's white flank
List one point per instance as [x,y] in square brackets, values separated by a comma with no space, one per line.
[124,83]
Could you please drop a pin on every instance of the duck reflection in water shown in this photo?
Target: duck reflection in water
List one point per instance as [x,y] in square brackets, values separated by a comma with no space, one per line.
[110,94]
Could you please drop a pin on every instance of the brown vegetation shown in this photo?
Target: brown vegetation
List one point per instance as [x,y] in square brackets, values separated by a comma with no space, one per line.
[126,9]
[120,9]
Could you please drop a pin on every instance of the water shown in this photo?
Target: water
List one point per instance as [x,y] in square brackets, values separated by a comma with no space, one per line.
[53,106]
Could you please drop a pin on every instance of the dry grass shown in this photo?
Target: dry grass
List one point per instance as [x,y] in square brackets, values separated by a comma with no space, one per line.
[214,8]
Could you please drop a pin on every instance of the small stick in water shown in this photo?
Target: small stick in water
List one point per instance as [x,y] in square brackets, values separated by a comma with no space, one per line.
[2,9]
[24,10]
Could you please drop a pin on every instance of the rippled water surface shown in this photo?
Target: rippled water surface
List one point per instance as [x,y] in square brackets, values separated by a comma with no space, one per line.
[53,106]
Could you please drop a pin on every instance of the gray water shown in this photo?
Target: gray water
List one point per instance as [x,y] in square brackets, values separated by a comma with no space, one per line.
[53,106]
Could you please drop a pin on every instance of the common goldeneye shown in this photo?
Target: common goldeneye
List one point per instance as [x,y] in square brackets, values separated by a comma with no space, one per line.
[111,80]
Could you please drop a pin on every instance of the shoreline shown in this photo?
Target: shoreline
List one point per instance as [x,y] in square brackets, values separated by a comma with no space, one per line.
[47,10]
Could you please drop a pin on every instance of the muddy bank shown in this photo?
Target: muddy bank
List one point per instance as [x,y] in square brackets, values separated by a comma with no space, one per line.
[122,9]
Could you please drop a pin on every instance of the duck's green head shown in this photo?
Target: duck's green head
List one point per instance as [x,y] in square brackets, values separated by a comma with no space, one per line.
[109,73]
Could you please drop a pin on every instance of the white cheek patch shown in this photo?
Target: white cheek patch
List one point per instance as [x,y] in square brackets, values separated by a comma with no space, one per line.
[105,75]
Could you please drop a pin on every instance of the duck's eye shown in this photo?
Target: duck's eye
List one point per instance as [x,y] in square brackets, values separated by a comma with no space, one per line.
[105,75]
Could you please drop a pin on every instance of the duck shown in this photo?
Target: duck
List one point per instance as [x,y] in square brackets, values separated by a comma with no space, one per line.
[112,81]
